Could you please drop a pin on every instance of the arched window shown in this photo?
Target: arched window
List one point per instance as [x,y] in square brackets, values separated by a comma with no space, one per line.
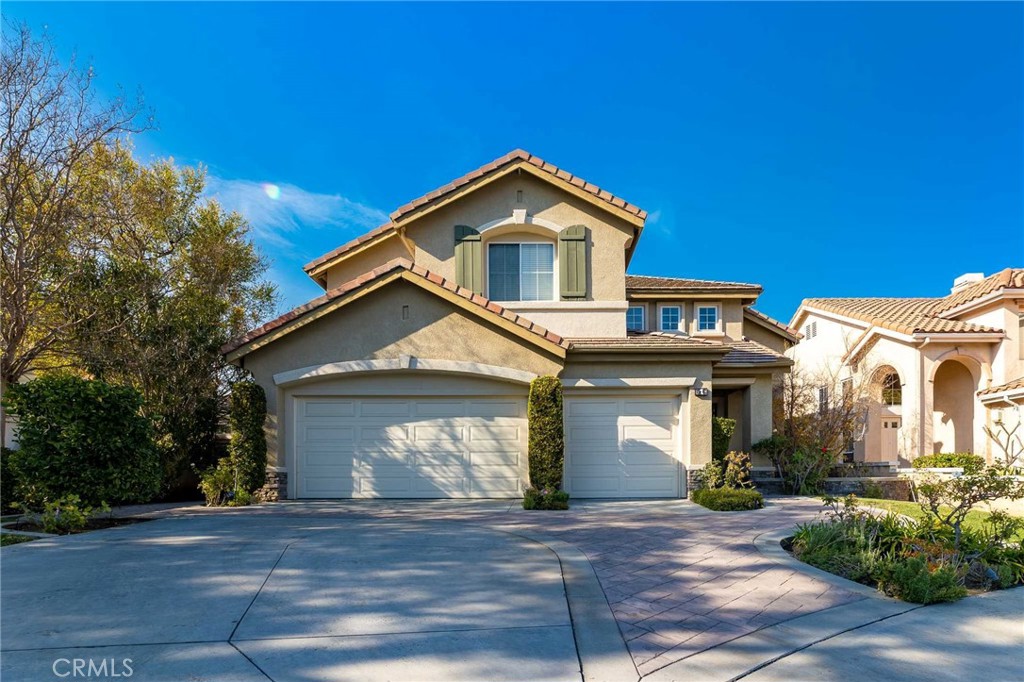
[892,389]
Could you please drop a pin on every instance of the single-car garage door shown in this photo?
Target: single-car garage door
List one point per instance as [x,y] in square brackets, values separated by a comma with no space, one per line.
[621,446]
[416,447]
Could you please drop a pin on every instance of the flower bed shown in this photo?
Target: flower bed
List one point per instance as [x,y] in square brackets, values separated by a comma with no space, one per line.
[915,560]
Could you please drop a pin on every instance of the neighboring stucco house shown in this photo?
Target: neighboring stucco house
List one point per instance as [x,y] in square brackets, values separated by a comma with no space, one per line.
[409,377]
[935,371]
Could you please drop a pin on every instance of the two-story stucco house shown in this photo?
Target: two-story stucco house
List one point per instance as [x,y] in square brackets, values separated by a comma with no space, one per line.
[936,371]
[409,377]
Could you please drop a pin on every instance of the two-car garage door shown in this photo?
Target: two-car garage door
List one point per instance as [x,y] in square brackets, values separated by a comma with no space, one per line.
[425,447]
[466,446]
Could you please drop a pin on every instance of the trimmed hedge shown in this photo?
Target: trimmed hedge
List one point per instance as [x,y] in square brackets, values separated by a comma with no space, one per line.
[721,433]
[84,438]
[547,440]
[967,461]
[248,441]
[728,499]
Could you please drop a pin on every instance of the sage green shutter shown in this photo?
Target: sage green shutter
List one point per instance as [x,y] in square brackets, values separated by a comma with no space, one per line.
[469,266]
[572,261]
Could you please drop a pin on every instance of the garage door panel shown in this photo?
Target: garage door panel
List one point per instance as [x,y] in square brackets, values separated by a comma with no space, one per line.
[385,408]
[428,434]
[328,486]
[495,408]
[495,433]
[647,432]
[595,486]
[648,409]
[424,447]
[498,458]
[500,486]
[650,484]
[439,408]
[328,408]
[598,433]
[590,458]
[592,408]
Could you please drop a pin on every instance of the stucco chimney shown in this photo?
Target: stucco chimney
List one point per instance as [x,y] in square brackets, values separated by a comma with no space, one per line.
[967,278]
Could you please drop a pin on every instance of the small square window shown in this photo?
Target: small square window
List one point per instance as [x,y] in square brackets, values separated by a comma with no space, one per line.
[635,318]
[670,317]
[707,318]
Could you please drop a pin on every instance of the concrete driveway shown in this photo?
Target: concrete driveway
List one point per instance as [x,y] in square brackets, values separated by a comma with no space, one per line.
[478,590]
[248,597]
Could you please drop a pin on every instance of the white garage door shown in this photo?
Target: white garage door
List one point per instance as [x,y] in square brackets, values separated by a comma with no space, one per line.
[422,447]
[621,447]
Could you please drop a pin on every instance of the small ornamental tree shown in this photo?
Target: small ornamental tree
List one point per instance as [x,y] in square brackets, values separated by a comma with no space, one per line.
[547,440]
[248,440]
[84,438]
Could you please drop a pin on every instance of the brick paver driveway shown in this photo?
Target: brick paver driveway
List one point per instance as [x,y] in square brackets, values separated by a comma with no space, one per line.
[680,579]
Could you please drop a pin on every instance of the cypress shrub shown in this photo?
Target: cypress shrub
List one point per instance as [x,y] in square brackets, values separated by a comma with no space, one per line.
[721,433]
[547,443]
[248,440]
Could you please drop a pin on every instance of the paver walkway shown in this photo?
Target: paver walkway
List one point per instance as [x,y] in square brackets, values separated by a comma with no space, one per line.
[680,579]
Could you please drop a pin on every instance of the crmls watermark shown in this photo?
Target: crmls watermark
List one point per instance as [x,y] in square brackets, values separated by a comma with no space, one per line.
[91,667]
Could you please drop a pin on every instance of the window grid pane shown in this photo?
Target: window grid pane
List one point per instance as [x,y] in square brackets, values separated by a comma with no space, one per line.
[707,318]
[503,272]
[635,318]
[538,271]
[670,319]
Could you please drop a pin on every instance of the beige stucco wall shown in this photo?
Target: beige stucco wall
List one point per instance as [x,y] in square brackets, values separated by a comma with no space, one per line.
[756,332]
[361,263]
[373,328]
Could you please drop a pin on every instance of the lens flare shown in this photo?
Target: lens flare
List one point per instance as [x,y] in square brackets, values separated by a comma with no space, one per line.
[272,191]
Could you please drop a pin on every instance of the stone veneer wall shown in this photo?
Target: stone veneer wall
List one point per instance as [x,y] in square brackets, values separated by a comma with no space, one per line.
[276,487]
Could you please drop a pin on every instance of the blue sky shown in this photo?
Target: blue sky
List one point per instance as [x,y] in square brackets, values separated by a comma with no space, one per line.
[820,149]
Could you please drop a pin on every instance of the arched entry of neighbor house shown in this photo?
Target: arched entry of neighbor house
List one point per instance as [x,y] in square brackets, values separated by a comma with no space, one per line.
[887,401]
[953,388]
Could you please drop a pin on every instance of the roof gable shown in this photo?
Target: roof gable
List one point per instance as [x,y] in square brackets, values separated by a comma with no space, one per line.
[1010,278]
[517,160]
[396,269]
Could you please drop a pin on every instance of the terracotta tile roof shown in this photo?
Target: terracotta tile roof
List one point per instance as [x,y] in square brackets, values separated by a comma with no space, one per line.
[1015,385]
[905,315]
[1010,278]
[650,283]
[747,352]
[515,156]
[397,264]
[376,232]
[771,321]
[646,340]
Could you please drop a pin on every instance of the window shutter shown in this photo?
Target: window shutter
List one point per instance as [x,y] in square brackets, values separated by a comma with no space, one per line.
[572,261]
[469,270]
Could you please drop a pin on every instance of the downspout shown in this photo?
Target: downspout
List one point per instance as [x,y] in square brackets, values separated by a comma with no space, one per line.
[921,399]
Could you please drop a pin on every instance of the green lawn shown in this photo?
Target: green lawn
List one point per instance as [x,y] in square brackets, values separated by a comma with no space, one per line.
[8,539]
[976,518]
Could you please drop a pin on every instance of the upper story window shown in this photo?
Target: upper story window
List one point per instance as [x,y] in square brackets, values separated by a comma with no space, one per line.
[635,318]
[521,272]
[671,316]
[892,389]
[707,318]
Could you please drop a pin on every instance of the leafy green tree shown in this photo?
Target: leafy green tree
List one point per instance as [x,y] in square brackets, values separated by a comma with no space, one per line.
[547,440]
[182,280]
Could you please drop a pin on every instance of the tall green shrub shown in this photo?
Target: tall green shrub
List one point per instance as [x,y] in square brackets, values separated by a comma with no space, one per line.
[81,437]
[547,440]
[248,440]
[721,433]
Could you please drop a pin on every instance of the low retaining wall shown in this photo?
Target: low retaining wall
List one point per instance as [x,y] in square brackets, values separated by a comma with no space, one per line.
[880,487]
